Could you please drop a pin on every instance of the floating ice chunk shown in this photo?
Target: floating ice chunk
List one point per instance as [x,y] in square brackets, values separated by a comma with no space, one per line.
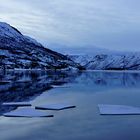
[26,112]
[18,104]
[118,110]
[55,107]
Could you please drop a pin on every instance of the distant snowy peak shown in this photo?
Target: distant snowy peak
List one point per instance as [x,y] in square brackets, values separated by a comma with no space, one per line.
[124,61]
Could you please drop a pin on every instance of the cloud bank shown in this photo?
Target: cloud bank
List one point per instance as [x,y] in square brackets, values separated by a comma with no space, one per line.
[109,24]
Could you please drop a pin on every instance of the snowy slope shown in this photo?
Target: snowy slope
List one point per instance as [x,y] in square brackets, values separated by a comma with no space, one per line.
[129,61]
[19,51]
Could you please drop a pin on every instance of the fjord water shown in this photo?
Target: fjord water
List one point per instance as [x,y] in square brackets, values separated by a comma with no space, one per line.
[85,90]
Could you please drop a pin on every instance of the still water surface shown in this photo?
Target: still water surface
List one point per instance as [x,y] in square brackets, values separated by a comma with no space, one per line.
[85,90]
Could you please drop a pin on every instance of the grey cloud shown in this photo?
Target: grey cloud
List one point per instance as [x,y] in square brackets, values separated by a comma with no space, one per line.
[110,24]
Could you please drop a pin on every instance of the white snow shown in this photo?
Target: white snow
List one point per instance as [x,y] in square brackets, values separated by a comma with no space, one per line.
[16,104]
[129,61]
[61,86]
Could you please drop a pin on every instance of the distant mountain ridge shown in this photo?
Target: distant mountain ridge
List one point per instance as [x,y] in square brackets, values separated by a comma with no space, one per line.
[128,61]
[18,51]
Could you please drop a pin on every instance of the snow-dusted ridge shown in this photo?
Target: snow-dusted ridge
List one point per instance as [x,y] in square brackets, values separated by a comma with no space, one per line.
[126,61]
[18,51]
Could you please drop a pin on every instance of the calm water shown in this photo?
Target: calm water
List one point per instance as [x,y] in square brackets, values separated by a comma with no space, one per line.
[85,90]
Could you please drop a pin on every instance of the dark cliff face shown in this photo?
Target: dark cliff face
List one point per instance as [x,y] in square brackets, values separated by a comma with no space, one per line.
[19,51]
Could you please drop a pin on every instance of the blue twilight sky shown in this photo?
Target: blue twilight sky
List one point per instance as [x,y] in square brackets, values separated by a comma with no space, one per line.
[77,24]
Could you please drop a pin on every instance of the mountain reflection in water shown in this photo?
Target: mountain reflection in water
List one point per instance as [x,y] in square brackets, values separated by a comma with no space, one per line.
[110,79]
[24,86]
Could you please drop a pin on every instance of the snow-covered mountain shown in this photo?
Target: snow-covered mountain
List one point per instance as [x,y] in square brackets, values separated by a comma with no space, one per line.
[18,51]
[22,52]
[128,61]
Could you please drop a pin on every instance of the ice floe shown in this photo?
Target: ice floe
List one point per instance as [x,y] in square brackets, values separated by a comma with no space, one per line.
[27,112]
[55,107]
[118,110]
